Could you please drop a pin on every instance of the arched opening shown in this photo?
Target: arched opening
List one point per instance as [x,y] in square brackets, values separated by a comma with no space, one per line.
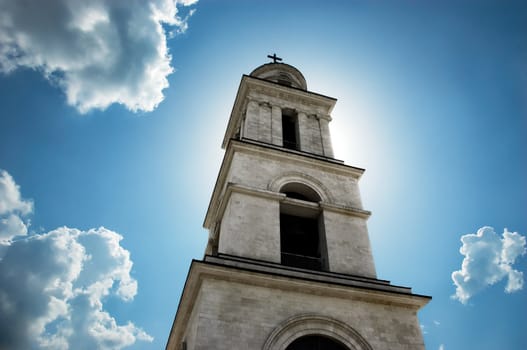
[302,237]
[300,191]
[308,325]
[315,342]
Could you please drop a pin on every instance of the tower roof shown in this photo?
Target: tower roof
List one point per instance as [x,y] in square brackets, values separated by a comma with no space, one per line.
[281,73]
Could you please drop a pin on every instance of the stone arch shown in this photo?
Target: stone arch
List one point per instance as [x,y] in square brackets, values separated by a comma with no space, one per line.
[299,326]
[300,191]
[296,177]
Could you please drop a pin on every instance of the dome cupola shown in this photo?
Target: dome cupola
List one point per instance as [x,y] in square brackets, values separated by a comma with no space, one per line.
[281,73]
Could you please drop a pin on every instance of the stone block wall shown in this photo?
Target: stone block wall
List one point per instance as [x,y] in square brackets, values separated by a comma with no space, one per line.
[234,315]
[250,228]
[348,244]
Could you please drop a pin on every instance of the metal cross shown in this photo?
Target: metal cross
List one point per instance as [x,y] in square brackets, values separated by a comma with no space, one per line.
[274,58]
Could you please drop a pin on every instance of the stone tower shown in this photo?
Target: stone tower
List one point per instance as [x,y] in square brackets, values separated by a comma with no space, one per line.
[288,264]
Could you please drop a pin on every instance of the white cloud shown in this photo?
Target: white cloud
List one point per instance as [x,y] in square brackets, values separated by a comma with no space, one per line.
[441,347]
[488,260]
[52,291]
[99,52]
[187,2]
[10,198]
[13,209]
[53,285]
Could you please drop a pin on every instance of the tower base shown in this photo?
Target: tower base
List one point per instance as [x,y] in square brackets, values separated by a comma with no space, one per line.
[235,303]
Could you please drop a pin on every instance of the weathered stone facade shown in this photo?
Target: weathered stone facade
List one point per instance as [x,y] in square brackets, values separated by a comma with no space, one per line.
[279,186]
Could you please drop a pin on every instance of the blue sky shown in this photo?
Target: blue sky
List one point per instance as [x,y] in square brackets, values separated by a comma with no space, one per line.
[98,139]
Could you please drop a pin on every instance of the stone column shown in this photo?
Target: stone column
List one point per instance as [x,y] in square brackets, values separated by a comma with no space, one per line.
[326,137]
[251,120]
[276,125]
[303,132]
[265,128]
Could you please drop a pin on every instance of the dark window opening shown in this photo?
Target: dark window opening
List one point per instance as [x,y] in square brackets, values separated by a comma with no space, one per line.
[296,195]
[289,130]
[315,342]
[300,242]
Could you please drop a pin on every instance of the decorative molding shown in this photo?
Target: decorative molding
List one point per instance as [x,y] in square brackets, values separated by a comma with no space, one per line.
[324,116]
[310,324]
[345,210]
[265,104]
[294,176]
[232,187]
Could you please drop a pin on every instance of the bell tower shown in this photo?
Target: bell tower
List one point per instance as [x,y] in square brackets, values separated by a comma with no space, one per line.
[288,264]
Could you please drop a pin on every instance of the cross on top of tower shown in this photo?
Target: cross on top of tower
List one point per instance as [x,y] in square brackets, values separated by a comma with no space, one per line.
[274,57]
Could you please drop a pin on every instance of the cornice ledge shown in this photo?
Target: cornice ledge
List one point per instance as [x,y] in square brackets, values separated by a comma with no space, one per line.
[299,202]
[385,294]
[233,187]
[346,210]
[298,156]
[308,95]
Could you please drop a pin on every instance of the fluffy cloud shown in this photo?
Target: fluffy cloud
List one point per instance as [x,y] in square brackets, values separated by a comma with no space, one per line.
[52,288]
[53,285]
[99,52]
[13,209]
[488,260]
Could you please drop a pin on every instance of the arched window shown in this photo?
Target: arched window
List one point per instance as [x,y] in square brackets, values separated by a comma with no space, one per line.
[299,327]
[302,237]
[315,342]
[300,191]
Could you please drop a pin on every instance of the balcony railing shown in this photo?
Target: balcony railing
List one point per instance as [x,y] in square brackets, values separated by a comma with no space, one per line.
[303,261]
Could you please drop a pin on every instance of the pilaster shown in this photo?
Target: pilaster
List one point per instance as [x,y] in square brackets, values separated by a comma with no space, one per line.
[326,137]
[276,125]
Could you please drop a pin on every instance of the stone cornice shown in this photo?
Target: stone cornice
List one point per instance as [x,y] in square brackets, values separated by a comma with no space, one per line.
[299,157]
[346,210]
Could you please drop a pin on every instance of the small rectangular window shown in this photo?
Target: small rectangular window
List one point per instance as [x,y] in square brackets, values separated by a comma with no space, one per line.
[290,130]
